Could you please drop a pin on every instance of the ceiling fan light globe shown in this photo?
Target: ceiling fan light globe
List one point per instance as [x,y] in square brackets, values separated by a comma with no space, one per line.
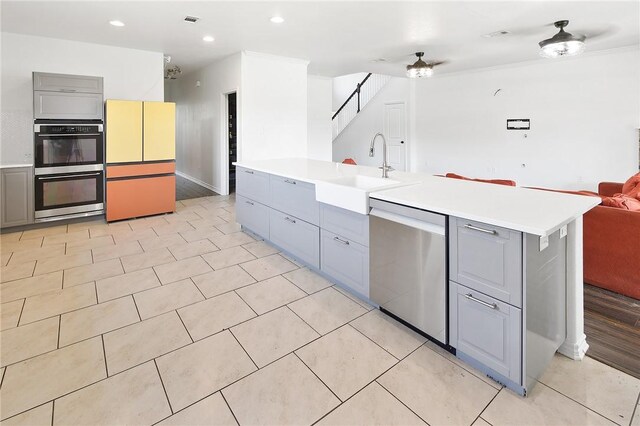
[562,48]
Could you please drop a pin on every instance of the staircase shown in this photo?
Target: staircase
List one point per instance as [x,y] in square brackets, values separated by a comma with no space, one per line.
[364,92]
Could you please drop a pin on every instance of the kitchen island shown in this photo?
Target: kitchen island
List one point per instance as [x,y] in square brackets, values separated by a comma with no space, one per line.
[319,212]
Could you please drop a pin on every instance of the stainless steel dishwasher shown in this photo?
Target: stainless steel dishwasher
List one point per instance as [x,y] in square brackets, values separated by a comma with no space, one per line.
[408,265]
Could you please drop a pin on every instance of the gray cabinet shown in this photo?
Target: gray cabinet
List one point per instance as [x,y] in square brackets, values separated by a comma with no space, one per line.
[353,226]
[296,236]
[486,330]
[253,215]
[67,83]
[253,184]
[346,261]
[67,106]
[16,187]
[295,198]
[486,258]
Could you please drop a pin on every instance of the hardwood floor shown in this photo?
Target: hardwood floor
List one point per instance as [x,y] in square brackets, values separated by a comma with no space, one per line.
[612,326]
[186,189]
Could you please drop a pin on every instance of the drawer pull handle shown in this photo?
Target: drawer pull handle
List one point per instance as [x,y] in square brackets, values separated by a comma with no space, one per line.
[292,182]
[482,302]
[249,171]
[486,231]
[250,203]
[288,219]
[340,240]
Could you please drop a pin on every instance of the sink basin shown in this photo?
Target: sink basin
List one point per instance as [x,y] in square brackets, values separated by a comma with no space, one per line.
[352,192]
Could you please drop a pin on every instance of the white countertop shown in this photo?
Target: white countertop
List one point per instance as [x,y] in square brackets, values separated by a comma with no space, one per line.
[527,210]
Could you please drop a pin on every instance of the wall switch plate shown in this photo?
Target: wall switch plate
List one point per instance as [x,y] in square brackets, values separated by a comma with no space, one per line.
[563,231]
[544,242]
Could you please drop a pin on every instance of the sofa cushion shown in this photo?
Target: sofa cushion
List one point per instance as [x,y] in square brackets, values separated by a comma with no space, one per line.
[632,186]
[495,181]
[622,201]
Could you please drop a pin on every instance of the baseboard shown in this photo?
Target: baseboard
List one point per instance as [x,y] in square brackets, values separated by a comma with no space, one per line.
[575,350]
[199,182]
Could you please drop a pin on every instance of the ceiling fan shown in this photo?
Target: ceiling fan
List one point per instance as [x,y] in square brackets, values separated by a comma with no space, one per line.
[421,68]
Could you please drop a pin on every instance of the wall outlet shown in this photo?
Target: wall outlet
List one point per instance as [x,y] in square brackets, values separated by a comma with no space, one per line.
[563,231]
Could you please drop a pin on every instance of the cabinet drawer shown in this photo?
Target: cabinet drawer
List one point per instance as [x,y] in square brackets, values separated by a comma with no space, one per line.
[66,83]
[253,185]
[296,236]
[486,258]
[67,106]
[128,198]
[486,330]
[346,261]
[296,198]
[343,222]
[253,215]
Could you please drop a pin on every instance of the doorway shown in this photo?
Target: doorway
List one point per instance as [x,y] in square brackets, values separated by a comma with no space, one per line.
[395,129]
[232,136]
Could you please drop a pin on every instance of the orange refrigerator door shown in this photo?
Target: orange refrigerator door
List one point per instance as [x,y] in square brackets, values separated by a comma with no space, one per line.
[129,198]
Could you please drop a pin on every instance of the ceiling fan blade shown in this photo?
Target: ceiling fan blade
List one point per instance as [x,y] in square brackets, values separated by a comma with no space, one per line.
[597,33]
[436,63]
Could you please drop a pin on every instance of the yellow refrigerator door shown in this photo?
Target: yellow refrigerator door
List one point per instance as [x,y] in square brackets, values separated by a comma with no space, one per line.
[123,131]
[159,131]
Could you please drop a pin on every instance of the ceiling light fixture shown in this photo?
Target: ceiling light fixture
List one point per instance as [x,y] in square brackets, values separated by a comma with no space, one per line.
[562,44]
[277,19]
[420,68]
[117,23]
[208,38]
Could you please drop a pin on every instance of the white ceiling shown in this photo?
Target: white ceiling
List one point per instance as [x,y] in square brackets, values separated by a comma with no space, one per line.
[337,37]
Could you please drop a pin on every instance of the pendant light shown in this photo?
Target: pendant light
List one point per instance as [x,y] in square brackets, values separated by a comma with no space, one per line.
[420,68]
[562,44]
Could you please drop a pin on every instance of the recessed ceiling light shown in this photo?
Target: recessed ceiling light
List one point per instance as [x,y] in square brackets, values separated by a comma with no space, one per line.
[191,19]
[277,19]
[208,38]
[496,34]
[117,23]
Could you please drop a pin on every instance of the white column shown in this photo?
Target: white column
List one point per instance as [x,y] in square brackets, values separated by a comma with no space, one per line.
[575,345]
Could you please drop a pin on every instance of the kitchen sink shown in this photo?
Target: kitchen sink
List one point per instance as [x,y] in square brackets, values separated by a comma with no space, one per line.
[352,192]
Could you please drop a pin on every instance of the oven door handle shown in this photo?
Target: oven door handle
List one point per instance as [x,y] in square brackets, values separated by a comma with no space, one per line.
[68,176]
[75,135]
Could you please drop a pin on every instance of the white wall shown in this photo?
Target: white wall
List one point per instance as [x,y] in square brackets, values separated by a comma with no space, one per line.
[344,86]
[354,140]
[584,112]
[128,74]
[200,140]
[273,107]
[319,118]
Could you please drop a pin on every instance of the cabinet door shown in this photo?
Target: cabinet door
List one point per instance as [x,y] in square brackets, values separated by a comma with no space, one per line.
[138,197]
[67,106]
[16,187]
[296,198]
[486,258]
[123,131]
[252,215]
[346,261]
[354,226]
[253,185]
[486,330]
[159,131]
[296,236]
[66,83]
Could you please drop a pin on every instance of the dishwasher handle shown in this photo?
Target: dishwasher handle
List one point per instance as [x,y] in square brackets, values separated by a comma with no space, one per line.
[408,221]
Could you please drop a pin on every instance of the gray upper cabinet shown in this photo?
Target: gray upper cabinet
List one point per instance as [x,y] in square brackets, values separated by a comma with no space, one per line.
[486,258]
[253,184]
[16,188]
[67,106]
[295,198]
[67,83]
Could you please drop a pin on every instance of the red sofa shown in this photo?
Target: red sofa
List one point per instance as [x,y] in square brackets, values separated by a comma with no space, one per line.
[612,246]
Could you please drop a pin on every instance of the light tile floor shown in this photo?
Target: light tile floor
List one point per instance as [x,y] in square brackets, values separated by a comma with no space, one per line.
[185,319]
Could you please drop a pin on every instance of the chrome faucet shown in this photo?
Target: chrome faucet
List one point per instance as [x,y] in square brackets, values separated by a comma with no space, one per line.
[385,167]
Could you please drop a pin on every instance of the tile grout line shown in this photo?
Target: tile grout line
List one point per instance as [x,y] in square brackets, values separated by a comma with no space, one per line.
[245,302]
[59,329]
[487,406]
[400,401]
[229,406]
[635,409]
[53,410]
[24,302]
[104,354]
[316,376]
[163,387]
[245,351]
[371,340]
[185,327]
